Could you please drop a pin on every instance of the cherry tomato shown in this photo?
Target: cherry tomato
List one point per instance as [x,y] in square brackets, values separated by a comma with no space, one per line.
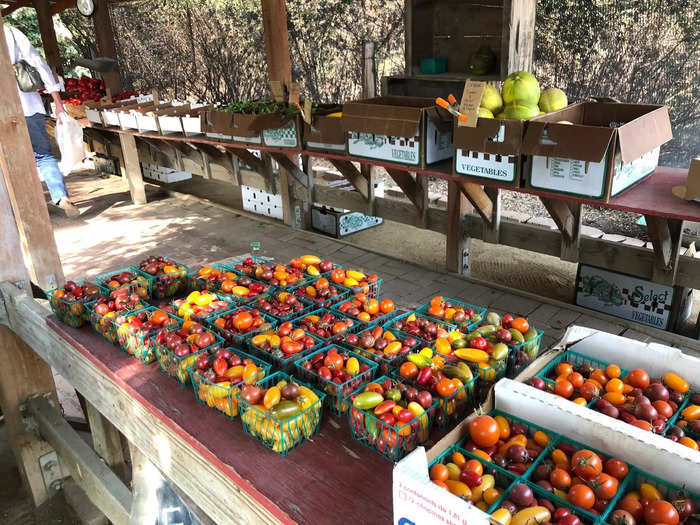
[564,388]
[661,512]
[581,496]
[560,479]
[638,378]
[484,431]
[586,464]
[605,486]
[616,468]
[632,505]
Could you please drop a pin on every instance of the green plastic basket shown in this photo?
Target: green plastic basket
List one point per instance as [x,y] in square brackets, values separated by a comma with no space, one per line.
[73,313]
[220,396]
[321,312]
[250,271]
[677,417]
[382,319]
[370,290]
[503,478]
[167,285]
[392,442]
[521,355]
[281,436]
[449,327]
[141,285]
[212,315]
[142,347]
[104,325]
[548,373]
[386,363]
[336,393]
[238,340]
[300,292]
[280,360]
[179,367]
[307,305]
[467,326]
[489,375]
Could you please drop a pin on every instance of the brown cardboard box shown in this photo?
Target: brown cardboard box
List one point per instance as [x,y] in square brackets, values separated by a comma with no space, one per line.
[274,130]
[608,148]
[489,151]
[325,133]
[402,130]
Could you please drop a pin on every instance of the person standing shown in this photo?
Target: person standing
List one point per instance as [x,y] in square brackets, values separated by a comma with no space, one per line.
[21,49]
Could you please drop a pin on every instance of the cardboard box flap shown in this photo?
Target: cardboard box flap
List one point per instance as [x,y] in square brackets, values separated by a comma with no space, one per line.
[644,133]
[393,116]
[487,137]
[270,121]
[219,119]
[441,118]
[586,143]
[325,129]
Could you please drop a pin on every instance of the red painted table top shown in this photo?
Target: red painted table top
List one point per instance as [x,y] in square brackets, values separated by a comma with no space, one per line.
[324,481]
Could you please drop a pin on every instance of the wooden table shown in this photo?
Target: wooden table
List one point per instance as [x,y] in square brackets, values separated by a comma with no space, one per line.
[232,477]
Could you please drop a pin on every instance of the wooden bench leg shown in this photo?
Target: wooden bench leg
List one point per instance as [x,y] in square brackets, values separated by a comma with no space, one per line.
[24,374]
[458,245]
[107,441]
[132,168]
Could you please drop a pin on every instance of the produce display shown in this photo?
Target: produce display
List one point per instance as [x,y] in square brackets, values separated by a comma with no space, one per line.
[200,305]
[652,404]
[263,107]
[103,311]
[337,372]
[280,411]
[216,379]
[312,265]
[129,279]
[425,328]
[450,381]
[221,279]
[465,316]
[283,345]
[178,350]
[520,98]
[84,89]
[321,292]
[135,331]
[281,305]
[269,272]
[366,310]
[236,325]
[687,428]
[357,281]
[68,303]
[391,417]
[381,346]
[167,277]
[325,324]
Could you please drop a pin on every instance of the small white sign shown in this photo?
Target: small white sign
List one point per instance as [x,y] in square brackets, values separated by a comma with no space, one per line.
[382,147]
[486,165]
[284,137]
[568,175]
[624,296]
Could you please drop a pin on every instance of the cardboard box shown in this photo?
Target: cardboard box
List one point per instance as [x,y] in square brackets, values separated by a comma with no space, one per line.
[340,223]
[183,120]
[629,297]
[325,133]
[110,112]
[402,130]
[608,148]
[164,174]
[490,151]
[274,130]
[261,202]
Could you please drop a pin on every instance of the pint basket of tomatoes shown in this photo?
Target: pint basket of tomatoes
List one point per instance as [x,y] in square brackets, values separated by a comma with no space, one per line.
[581,476]
[425,328]
[356,281]
[647,500]
[449,380]
[312,266]
[469,478]
[280,411]
[382,346]
[464,315]
[281,305]
[219,278]
[136,331]
[337,372]
[269,272]
[201,306]
[167,276]
[366,310]
[687,426]
[178,350]
[104,310]
[217,378]
[321,292]
[69,303]
[283,345]
[236,325]
[326,325]
[128,279]
[391,417]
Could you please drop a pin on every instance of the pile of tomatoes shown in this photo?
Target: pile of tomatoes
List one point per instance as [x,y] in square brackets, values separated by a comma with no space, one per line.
[422,327]
[452,311]
[357,281]
[218,278]
[68,303]
[321,292]
[271,273]
[524,506]
[324,324]
[235,325]
[470,479]
[366,309]
[135,330]
[280,304]
[283,342]
[646,505]
[581,476]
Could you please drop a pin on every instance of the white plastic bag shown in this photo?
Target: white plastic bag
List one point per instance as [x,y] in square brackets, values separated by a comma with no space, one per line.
[69,136]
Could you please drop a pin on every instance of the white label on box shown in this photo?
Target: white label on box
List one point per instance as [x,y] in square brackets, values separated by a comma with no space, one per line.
[382,147]
[626,175]
[219,136]
[322,145]
[486,165]
[577,177]
[623,296]
[128,120]
[191,125]
[111,118]
[170,124]
[418,501]
[93,115]
[146,123]
[284,137]
[251,140]
[438,146]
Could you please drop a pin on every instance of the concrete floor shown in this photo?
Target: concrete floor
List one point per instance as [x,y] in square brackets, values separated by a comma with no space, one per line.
[111,234]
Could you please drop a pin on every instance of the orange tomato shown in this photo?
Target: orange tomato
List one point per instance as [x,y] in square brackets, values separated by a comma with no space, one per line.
[504,427]
[474,465]
[436,311]
[564,388]
[338,275]
[437,301]
[459,459]
[576,379]
[242,321]
[520,324]
[443,346]
[322,283]
[638,378]
[364,316]
[560,458]
[589,390]
[372,306]
[386,306]
[564,369]
[272,397]
[580,401]
[481,454]
[227,285]
[484,431]
[616,398]
[581,496]
[446,387]
[339,328]
[159,317]
[408,370]
[614,385]
[676,382]
[691,413]
[688,442]
[598,375]
[439,472]
[541,438]
[612,371]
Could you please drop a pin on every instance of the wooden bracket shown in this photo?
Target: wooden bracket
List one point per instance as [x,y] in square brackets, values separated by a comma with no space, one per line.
[492,229]
[289,165]
[206,167]
[251,160]
[369,172]
[268,173]
[567,216]
[408,185]
[456,243]
[478,197]
[666,235]
[353,175]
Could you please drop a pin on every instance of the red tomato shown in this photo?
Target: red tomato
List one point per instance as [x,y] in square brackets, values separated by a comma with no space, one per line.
[616,468]
[581,496]
[484,431]
[605,486]
[638,378]
[661,511]
[586,464]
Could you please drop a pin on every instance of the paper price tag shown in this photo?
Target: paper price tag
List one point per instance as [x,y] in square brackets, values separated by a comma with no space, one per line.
[307,111]
[277,90]
[294,94]
[471,98]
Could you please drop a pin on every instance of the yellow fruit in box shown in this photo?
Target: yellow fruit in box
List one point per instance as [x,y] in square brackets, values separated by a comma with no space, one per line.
[204,299]
[393,347]
[274,340]
[389,336]
[282,296]
[354,274]
[234,371]
[259,339]
[312,270]
[169,269]
[192,297]
[427,352]
[411,318]
[350,282]
[313,318]
[454,335]
[310,259]
[240,291]
[311,291]
[450,313]
[352,366]
[220,390]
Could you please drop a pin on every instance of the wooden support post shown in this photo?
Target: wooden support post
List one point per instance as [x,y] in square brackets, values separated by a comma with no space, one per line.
[666,235]
[408,37]
[206,168]
[492,230]
[423,198]
[369,77]
[291,167]
[269,174]
[481,201]
[567,216]
[352,175]
[457,244]
[24,374]
[179,162]
[407,183]
[48,35]
[22,189]
[132,168]
[308,168]
[274,14]
[104,33]
[290,212]
[107,441]
[236,167]
[369,172]
[255,163]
